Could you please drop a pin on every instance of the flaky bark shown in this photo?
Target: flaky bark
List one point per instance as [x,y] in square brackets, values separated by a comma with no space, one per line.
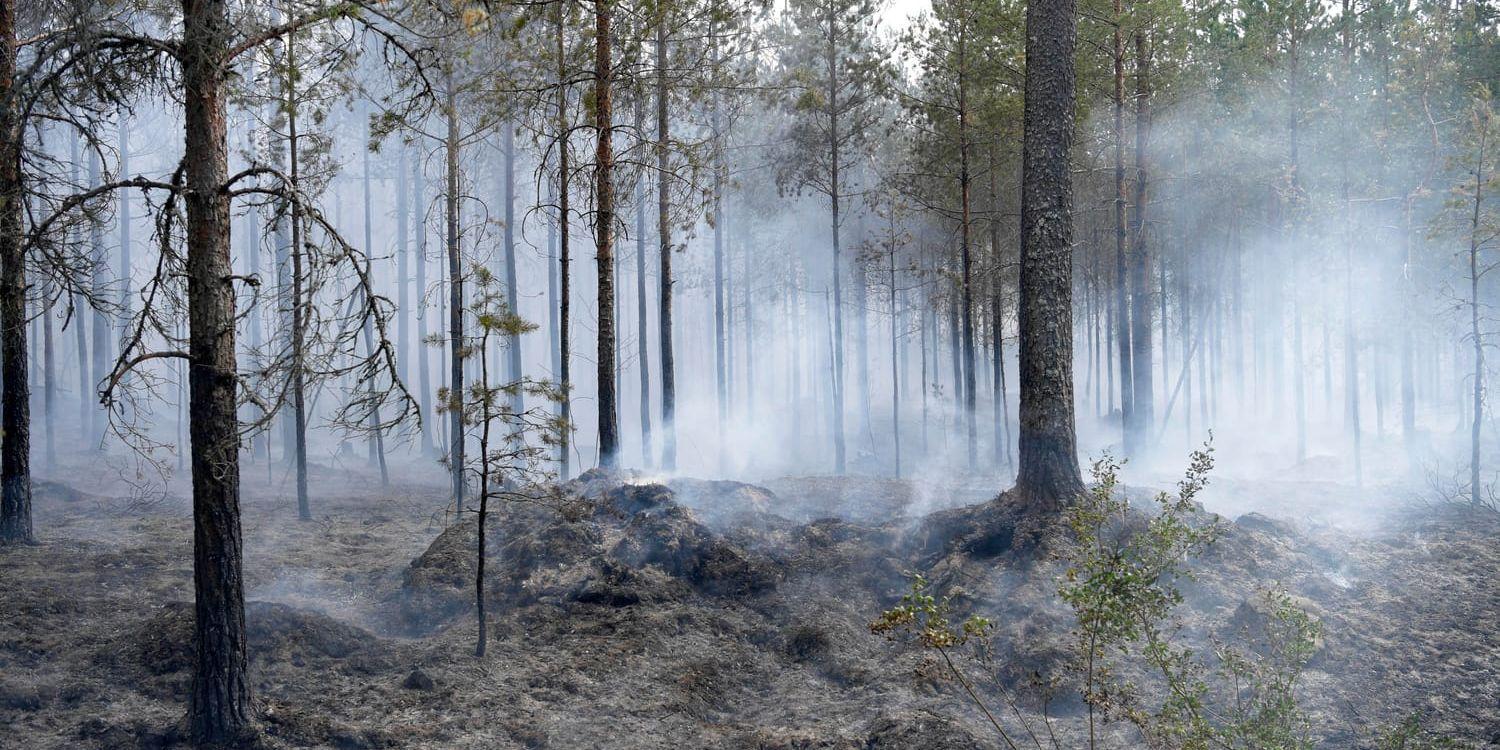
[219,703]
[15,406]
[1048,445]
[664,248]
[604,207]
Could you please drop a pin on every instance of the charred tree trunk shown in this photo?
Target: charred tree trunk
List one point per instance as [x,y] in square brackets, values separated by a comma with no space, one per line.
[512,298]
[1476,488]
[1120,310]
[456,344]
[15,400]
[834,199]
[403,270]
[99,286]
[298,312]
[1048,476]
[376,444]
[424,373]
[664,250]
[79,334]
[604,217]
[1141,379]
[643,352]
[966,254]
[565,352]
[219,703]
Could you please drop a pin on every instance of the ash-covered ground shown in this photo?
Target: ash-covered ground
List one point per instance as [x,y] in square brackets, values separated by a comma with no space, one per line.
[637,613]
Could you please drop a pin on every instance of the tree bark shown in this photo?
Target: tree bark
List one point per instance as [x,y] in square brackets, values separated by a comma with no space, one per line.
[512,298]
[1120,310]
[1142,406]
[456,343]
[424,373]
[565,353]
[15,400]
[1048,476]
[219,704]
[298,312]
[664,250]
[643,349]
[604,208]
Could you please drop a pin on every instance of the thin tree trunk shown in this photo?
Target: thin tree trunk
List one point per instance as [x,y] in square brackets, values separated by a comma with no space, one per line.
[895,359]
[419,225]
[1476,488]
[565,353]
[298,313]
[376,444]
[1121,312]
[965,251]
[403,269]
[512,295]
[664,250]
[834,198]
[642,348]
[1141,379]
[102,328]
[456,342]
[604,207]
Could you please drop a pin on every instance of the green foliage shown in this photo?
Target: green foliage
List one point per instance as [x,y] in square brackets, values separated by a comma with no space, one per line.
[1121,581]
[1411,735]
[928,619]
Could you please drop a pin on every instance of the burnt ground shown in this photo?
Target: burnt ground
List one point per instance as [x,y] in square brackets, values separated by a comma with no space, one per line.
[686,615]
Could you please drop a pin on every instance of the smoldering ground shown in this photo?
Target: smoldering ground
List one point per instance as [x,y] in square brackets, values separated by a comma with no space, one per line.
[684,613]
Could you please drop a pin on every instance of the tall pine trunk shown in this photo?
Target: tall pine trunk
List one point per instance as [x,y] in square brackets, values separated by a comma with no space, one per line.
[298,312]
[219,702]
[512,298]
[1142,400]
[1048,475]
[1120,310]
[643,352]
[565,352]
[424,372]
[15,400]
[456,344]
[604,217]
[664,251]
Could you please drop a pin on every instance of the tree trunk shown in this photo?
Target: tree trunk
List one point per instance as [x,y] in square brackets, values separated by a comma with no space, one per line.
[15,400]
[219,704]
[376,445]
[834,198]
[403,269]
[664,250]
[643,352]
[1476,488]
[565,352]
[1120,311]
[604,207]
[455,304]
[965,255]
[512,297]
[127,295]
[300,315]
[99,283]
[1141,379]
[424,373]
[1048,476]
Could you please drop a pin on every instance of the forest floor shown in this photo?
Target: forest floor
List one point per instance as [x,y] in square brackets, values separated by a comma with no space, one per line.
[691,615]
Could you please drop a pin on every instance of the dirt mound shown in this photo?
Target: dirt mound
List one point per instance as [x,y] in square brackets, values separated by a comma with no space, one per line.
[161,647]
[629,543]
